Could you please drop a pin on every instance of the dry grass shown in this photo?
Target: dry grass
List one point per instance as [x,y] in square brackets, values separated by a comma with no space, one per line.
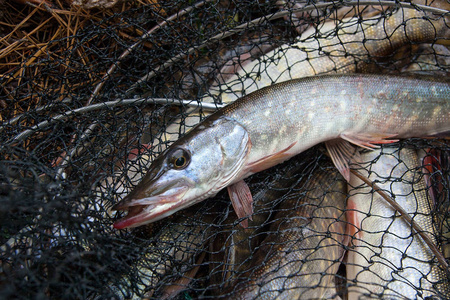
[37,31]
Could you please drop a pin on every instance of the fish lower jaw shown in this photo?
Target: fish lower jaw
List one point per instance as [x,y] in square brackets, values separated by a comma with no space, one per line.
[131,219]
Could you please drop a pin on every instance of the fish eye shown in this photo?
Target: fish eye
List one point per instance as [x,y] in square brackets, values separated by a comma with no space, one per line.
[179,159]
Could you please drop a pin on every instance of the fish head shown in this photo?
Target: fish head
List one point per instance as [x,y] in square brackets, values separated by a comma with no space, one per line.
[210,157]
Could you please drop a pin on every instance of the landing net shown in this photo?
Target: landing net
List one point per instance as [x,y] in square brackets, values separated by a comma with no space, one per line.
[90,96]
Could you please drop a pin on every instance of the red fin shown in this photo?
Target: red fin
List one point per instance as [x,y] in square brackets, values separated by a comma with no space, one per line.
[342,153]
[428,161]
[242,201]
[270,160]
[353,225]
[367,141]
[432,163]
[136,151]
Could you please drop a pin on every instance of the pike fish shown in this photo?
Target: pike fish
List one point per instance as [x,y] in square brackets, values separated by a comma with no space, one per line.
[386,258]
[301,255]
[273,124]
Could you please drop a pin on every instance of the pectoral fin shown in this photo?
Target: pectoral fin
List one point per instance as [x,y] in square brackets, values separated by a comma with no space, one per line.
[342,152]
[432,166]
[242,201]
[270,160]
[368,141]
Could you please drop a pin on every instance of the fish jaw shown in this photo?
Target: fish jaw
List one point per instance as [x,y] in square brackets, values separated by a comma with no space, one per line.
[136,215]
[141,214]
[174,195]
[144,210]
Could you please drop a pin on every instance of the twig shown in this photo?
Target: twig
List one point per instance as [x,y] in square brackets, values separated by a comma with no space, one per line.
[73,151]
[407,218]
[18,26]
[105,105]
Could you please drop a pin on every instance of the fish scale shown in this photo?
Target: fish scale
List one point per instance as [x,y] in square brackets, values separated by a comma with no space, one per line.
[344,46]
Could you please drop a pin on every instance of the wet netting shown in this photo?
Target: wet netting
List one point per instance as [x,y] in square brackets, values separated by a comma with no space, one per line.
[92,91]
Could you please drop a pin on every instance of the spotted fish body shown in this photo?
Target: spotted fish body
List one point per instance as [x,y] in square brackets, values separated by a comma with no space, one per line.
[301,255]
[293,116]
[353,39]
[386,258]
[235,246]
[275,123]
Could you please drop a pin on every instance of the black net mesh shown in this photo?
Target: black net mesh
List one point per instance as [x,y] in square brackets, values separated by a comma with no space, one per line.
[88,98]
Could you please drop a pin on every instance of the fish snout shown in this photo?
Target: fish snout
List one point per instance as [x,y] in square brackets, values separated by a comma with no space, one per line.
[157,193]
[148,204]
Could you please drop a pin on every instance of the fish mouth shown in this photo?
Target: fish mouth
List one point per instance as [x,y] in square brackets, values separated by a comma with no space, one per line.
[136,216]
[150,209]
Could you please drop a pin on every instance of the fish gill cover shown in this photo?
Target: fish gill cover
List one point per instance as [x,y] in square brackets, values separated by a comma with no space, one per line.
[90,94]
